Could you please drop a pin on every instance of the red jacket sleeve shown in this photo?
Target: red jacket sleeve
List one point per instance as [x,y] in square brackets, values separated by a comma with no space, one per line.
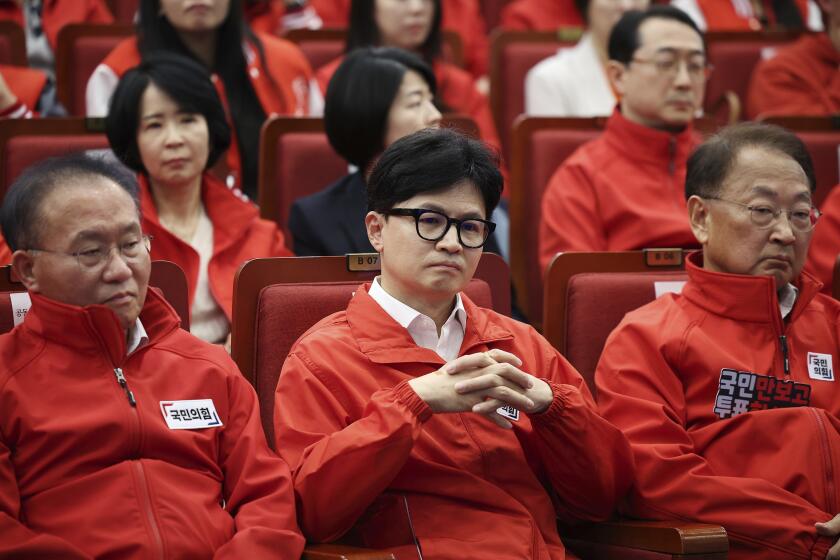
[257,485]
[590,486]
[640,393]
[17,540]
[825,244]
[330,458]
[569,219]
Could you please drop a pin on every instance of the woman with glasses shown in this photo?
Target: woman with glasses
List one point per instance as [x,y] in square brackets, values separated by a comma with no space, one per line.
[257,76]
[167,123]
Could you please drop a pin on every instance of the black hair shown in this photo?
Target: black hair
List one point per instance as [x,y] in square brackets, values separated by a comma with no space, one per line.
[20,213]
[624,37]
[155,33]
[363,31]
[433,160]
[189,86]
[583,7]
[360,95]
[710,164]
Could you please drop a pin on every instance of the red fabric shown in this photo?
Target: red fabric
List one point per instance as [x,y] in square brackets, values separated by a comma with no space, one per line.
[720,15]
[5,252]
[58,13]
[802,79]
[286,94]
[825,244]
[364,448]
[238,235]
[622,191]
[455,89]
[26,83]
[464,17]
[265,17]
[541,15]
[84,474]
[765,475]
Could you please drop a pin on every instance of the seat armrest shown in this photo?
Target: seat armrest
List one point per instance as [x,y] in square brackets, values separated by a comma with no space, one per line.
[343,552]
[669,537]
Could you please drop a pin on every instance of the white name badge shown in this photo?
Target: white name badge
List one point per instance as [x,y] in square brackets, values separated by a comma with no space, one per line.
[20,306]
[190,415]
[820,366]
[508,412]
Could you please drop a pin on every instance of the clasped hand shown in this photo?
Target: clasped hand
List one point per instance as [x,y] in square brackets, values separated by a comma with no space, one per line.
[482,383]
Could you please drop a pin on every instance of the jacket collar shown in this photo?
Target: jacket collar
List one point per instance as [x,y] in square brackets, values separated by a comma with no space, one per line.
[743,297]
[96,327]
[824,48]
[667,149]
[384,341]
[228,213]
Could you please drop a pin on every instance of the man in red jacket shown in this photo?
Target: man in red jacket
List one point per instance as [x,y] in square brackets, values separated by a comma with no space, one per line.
[623,190]
[416,421]
[728,391]
[121,435]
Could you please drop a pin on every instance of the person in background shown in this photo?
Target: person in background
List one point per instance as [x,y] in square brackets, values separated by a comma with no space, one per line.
[541,15]
[623,190]
[415,25]
[121,435]
[727,391]
[275,17]
[745,15]
[573,82]
[167,123]
[802,78]
[825,244]
[26,93]
[480,432]
[267,76]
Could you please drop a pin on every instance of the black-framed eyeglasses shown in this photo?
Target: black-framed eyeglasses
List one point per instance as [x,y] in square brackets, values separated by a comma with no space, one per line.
[433,225]
[130,251]
[801,219]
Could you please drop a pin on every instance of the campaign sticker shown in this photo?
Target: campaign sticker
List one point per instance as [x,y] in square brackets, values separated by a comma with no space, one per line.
[508,412]
[190,415]
[820,367]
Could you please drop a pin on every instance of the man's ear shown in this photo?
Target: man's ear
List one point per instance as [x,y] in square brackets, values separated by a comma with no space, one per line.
[699,218]
[615,73]
[374,222]
[24,267]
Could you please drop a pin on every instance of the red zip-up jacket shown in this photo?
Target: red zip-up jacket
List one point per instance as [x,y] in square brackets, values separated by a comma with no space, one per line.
[239,234]
[732,412]
[802,79]
[369,455]
[85,474]
[5,252]
[58,13]
[622,191]
[721,15]
[541,15]
[825,244]
[26,84]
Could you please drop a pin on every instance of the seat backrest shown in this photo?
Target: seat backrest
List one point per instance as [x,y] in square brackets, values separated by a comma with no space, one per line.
[587,295]
[12,44]
[123,10]
[166,276]
[81,47]
[27,141]
[735,55]
[296,160]
[277,300]
[540,145]
[512,55]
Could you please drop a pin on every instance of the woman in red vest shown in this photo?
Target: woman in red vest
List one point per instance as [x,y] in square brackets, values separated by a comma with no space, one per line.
[267,76]
[167,123]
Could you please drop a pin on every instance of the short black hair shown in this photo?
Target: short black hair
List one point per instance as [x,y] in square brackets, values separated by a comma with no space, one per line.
[20,213]
[363,32]
[182,79]
[624,37]
[710,164]
[583,7]
[360,95]
[433,160]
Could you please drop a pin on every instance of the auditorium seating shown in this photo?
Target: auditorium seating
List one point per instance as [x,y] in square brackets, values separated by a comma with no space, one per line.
[81,47]
[123,10]
[587,294]
[27,141]
[12,44]
[296,160]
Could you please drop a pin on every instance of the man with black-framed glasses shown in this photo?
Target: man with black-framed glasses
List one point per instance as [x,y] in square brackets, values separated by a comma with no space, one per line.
[728,391]
[418,422]
[121,435]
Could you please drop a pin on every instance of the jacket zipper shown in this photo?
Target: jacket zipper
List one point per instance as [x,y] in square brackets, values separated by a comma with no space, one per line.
[785,356]
[124,384]
[146,500]
[672,151]
[829,466]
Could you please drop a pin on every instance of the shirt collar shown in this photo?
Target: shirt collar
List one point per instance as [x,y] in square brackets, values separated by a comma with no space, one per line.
[405,315]
[787,298]
[136,337]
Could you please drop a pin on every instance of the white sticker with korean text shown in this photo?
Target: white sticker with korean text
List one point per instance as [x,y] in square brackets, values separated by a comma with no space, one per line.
[190,415]
[820,367]
[20,306]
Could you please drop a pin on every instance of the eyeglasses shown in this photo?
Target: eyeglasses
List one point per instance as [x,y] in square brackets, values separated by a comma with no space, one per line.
[802,219]
[95,257]
[698,69]
[433,226]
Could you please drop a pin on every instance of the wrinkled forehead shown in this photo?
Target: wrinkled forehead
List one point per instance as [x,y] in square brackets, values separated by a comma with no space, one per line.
[757,170]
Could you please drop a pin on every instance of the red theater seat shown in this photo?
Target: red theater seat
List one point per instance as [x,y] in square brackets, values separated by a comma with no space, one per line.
[26,141]
[123,10]
[12,44]
[81,47]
